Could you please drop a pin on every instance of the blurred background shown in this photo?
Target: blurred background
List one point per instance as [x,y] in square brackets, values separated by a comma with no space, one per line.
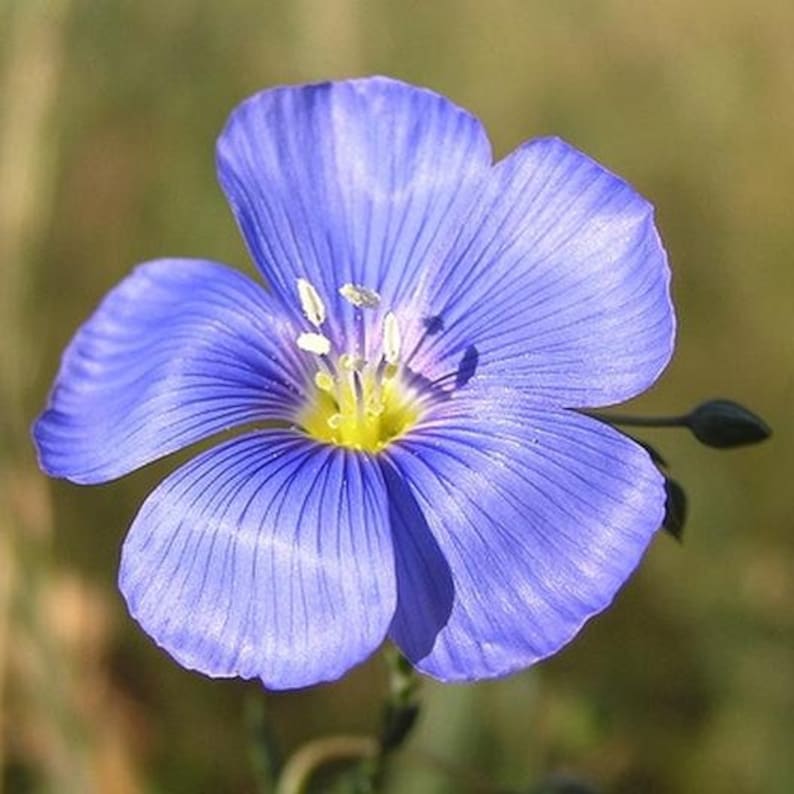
[109,110]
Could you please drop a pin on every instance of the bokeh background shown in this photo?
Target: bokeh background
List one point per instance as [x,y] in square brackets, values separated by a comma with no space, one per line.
[109,111]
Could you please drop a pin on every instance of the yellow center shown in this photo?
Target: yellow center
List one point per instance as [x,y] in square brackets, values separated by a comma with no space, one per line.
[359,407]
[353,403]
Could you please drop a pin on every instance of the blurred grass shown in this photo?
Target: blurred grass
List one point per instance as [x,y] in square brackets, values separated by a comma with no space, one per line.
[109,115]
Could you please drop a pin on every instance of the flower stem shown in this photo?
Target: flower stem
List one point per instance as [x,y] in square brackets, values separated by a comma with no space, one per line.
[640,421]
[399,717]
[302,765]
[401,708]
[264,751]
[718,423]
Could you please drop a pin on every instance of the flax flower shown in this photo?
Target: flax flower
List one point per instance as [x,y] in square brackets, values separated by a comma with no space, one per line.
[410,463]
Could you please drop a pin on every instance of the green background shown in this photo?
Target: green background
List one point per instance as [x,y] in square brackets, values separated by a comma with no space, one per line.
[108,119]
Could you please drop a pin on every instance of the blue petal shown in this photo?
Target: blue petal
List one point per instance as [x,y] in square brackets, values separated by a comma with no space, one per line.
[541,515]
[269,557]
[181,349]
[425,589]
[560,284]
[362,181]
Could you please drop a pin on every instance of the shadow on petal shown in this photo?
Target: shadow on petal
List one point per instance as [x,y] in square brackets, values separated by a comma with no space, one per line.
[467,367]
[433,324]
[425,592]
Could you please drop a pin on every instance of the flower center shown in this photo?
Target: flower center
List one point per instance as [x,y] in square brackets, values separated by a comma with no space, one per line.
[352,402]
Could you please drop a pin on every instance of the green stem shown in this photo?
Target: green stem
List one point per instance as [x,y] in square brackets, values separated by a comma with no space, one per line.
[399,717]
[264,751]
[302,765]
[640,421]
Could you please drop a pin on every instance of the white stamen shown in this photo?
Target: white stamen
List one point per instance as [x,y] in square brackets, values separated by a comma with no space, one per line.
[391,339]
[311,303]
[360,296]
[314,343]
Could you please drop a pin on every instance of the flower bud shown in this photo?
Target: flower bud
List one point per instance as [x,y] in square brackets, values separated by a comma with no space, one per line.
[724,424]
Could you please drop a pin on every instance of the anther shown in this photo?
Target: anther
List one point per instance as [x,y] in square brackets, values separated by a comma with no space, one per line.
[314,343]
[389,371]
[351,363]
[391,339]
[361,297]
[324,381]
[311,303]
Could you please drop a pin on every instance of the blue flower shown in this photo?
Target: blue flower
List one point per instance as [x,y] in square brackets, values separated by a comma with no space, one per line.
[409,462]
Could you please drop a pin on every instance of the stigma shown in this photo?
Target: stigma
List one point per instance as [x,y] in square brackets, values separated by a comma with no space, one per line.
[351,401]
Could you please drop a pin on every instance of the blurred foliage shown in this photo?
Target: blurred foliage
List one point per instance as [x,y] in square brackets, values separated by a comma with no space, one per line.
[109,113]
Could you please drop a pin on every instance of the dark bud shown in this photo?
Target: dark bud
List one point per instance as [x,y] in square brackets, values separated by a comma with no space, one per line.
[675,509]
[724,424]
